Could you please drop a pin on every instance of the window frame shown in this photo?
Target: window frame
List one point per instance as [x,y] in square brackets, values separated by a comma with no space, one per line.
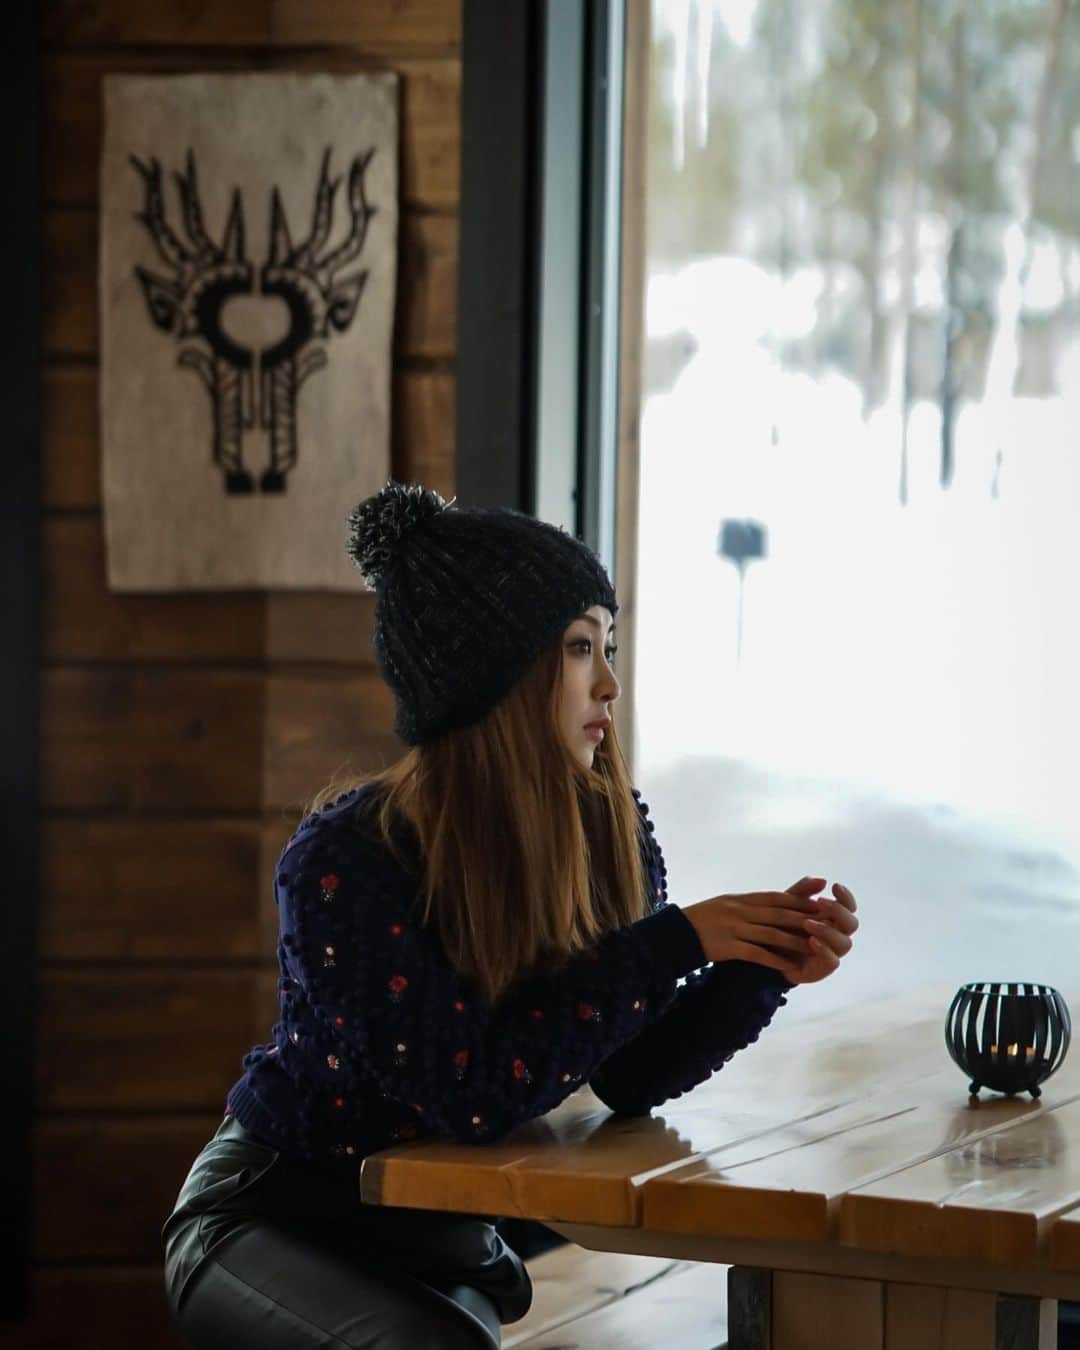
[551,257]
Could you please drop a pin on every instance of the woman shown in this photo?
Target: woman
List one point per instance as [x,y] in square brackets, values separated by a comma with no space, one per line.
[466,938]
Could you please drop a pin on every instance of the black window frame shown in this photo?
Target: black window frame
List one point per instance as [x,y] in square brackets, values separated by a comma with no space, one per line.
[538,291]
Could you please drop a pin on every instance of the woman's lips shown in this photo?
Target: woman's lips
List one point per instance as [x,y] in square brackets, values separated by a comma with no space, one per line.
[596,732]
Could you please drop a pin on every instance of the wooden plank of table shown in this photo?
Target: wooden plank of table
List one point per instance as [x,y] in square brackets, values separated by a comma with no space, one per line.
[790,1183]
[993,1200]
[443,1174]
[583,1164]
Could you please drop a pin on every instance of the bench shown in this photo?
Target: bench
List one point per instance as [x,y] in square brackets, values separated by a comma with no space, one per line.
[587,1300]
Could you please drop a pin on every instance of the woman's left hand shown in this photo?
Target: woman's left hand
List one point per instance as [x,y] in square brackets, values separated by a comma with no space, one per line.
[830,936]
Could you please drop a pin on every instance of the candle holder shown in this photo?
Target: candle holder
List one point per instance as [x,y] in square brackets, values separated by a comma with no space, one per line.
[1010,1037]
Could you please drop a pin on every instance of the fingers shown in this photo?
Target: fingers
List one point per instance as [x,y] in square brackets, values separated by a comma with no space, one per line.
[806,886]
[796,899]
[829,937]
[787,911]
[775,937]
[839,915]
[765,956]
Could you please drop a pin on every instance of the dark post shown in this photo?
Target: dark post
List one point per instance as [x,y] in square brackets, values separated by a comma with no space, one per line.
[20,567]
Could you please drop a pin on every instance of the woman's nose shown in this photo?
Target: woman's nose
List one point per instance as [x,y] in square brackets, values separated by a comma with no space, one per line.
[608,681]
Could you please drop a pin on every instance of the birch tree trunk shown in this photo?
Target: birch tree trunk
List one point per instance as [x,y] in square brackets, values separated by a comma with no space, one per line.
[1003,363]
[911,237]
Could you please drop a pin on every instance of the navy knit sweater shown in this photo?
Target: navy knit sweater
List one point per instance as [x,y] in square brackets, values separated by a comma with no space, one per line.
[380,1041]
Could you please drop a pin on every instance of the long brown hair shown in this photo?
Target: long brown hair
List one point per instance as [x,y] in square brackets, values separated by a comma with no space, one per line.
[527,856]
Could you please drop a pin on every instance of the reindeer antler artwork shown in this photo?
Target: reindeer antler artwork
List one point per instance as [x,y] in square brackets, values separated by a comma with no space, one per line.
[251,386]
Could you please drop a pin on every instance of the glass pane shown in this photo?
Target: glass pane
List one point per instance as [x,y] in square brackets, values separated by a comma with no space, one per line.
[857,645]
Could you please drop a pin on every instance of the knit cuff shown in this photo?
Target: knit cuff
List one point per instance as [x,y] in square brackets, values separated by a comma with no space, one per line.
[670,933]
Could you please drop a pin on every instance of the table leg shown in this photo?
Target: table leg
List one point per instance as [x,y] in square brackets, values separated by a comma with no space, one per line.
[792,1310]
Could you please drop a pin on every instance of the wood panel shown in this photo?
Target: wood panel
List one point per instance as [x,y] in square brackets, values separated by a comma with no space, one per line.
[114,23]
[682,1308]
[570,1281]
[165,739]
[103,1188]
[111,1306]
[937,1319]
[321,726]
[171,723]
[141,738]
[70,439]
[422,440]
[85,621]
[148,1040]
[375,25]
[320,627]
[423,433]
[1064,1245]
[430,91]
[158,889]
[424,323]
[376,22]
[816,1312]
[828,1258]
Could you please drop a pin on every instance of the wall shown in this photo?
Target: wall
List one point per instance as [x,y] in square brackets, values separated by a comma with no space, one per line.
[181,733]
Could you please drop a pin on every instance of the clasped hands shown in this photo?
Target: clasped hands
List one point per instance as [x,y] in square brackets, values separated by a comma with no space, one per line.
[830,931]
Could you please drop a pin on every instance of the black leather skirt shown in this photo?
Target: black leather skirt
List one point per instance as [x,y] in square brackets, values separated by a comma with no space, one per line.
[263,1250]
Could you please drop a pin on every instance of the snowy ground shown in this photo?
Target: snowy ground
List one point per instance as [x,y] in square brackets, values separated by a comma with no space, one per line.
[941,896]
[904,714]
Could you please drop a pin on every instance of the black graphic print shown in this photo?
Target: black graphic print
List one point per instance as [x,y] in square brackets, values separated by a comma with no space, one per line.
[248,386]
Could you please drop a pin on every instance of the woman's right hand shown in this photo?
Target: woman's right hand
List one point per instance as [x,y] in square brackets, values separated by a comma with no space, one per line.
[758,926]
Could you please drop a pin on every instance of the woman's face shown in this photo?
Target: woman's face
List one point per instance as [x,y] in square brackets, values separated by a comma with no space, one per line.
[589,686]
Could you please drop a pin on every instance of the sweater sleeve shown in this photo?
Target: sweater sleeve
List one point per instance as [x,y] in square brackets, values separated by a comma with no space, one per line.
[380,984]
[717,1012]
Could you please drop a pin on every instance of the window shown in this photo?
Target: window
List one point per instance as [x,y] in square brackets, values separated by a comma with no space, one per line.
[856,651]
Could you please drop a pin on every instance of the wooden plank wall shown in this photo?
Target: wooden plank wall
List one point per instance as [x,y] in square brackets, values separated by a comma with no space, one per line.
[181,733]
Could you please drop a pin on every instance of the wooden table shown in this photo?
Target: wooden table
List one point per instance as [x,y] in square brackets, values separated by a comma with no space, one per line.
[838,1166]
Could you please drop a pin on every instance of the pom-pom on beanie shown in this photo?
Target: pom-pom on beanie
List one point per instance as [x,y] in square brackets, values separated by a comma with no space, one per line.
[466,600]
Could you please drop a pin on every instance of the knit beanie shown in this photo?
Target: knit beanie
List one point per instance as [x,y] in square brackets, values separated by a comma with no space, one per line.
[467,599]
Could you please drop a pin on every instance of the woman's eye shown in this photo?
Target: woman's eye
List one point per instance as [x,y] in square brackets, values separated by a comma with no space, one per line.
[587,642]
